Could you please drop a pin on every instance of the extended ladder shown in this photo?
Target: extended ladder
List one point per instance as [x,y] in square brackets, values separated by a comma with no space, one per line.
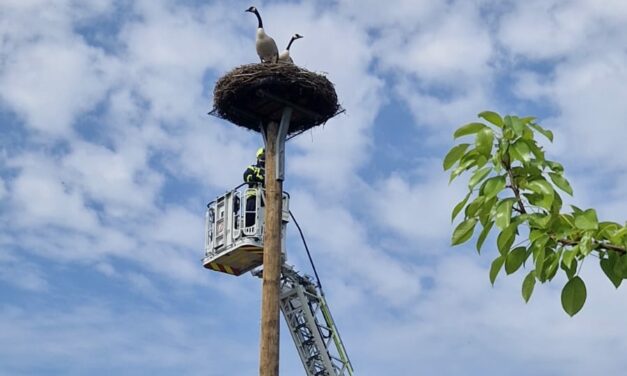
[311,325]
[234,246]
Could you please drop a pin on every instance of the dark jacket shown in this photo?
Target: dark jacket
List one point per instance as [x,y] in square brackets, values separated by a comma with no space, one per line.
[255,174]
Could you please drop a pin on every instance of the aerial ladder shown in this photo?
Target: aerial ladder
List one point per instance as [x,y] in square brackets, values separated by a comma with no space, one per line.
[234,245]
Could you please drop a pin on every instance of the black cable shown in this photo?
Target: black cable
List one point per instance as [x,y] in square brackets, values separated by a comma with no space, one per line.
[308,254]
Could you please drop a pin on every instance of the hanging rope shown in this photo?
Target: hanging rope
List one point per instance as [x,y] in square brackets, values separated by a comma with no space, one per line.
[308,253]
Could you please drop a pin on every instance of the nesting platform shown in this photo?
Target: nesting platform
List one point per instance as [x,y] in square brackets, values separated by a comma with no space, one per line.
[255,94]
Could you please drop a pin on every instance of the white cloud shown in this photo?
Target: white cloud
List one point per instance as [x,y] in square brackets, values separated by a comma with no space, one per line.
[72,339]
[119,179]
[440,116]
[343,244]
[589,94]
[533,86]
[452,50]
[404,14]
[41,198]
[176,226]
[170,49]
[213,154]
[3,189]
[48,75]
[144,286]
[554,29]
[21,274]
[417,209]
[460,313]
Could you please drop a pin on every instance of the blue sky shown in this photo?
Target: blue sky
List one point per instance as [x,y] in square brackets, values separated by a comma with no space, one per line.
[108,158]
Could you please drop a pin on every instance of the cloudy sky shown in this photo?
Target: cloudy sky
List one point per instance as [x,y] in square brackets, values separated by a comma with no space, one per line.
[108,158]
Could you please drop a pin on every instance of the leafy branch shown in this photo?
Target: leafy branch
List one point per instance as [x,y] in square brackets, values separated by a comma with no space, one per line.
[518,193]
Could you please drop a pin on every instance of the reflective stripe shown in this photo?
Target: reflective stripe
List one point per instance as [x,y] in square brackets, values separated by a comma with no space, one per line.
[254,173]
[223,268]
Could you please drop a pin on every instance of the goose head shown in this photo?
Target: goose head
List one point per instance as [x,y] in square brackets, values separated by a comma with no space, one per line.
[294,37]
[254,11]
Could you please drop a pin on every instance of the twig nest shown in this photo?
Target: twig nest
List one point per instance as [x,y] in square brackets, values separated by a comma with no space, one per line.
[256,94]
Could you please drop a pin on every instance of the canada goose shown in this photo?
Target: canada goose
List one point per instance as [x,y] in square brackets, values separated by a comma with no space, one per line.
[285,55]
[266,47]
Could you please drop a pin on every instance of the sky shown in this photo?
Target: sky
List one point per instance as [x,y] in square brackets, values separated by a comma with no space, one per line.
[108,159]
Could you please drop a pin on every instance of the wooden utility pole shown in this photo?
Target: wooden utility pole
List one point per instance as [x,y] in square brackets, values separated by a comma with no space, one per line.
[276,100]
[269,351]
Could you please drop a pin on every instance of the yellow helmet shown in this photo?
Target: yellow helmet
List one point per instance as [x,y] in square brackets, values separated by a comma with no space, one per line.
[261,153]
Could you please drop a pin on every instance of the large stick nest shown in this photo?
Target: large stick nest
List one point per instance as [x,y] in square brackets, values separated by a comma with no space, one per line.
[256,94]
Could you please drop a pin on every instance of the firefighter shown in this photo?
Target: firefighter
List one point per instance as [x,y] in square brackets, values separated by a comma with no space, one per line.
[254,176]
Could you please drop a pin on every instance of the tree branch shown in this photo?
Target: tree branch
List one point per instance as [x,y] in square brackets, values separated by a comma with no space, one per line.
[599,246]
[521,207]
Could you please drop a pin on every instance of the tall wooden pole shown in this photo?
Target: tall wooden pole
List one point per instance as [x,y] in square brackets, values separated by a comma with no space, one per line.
[269,352]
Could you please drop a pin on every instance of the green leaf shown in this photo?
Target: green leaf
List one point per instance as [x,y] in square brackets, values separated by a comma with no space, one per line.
[514,259]
[555,167]
[467,129]
[528,284]
[570,270]
[587,220]
[528,119]
[569,256]
[545,132]
[539,220]
[496,160]
[492,117]
[535,234]
[463,166]
[568,220]
[474,206]
[506,238]
[621,265]
[454,155]
[459,206]
[586,244]
[520,150]
[464,231]
[478,176]
[536,151]
[485,211]
[540,255]
[617,236]
[561,183]
[573,296]
[607,264]
[617,261]
[553,262]
[483,235]
[496,266]
[556,207]
[527,134]
[540,186]
[543,188]
[517,125]
[503,213]
[576,210]
[484,141]
[606,230]
[493,186]
[539,243]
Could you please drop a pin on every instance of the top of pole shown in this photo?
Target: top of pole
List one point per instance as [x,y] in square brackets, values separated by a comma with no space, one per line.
[254,94]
